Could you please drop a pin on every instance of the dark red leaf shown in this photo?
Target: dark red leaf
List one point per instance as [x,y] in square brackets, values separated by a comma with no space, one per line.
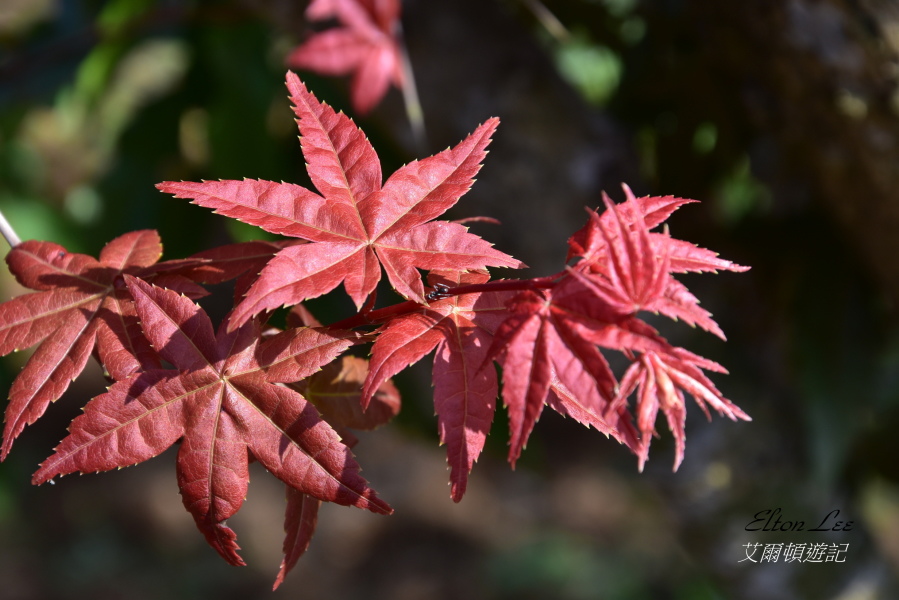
[299,525]
[336,391]
[224,263]
[461,329]
[225,410]
[552,336]
[82,305]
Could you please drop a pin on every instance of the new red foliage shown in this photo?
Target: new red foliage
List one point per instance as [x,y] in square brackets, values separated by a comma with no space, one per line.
[461,328]
[252,392]
[356,225]
[365,44]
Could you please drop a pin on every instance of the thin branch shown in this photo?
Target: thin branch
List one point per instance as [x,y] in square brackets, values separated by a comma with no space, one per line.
[502,285]
[375,317]
[414,112]
[441,292]
[468,220]
[8,232]
[549,21]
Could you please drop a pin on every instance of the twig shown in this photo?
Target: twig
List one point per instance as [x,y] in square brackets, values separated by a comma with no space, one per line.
[552,24]
[441,292]
[8,232]
[414,112]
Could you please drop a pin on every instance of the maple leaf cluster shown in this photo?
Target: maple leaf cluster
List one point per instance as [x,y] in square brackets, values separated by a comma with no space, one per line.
[364,44]
[288,398]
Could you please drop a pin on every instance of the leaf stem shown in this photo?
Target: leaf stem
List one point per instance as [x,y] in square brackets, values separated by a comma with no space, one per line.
[502,285]
[8,232]
[548,20]
[382,315]
[414,112]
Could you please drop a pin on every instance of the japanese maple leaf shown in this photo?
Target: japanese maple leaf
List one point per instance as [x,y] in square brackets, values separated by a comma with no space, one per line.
[654,210]
[81,304]
[629,268]
[299,525]
[565,403]
[335,391]
[643,214]
[365,45]
[660,380]
[461,329]
[225,407]
[356,225]
[224,263]
[241,261]
[549,351]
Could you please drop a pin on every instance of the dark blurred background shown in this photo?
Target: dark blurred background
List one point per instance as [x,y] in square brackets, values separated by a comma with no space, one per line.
[782,116]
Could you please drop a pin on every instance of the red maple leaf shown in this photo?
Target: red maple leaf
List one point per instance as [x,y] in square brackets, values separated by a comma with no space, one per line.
[660,380]
[224,263]
[629,268]
[299,525]
[365,45]
[461,329]
[335,391]
[81,304]
[357,225]
[549,350]
[564,402]
[242,261]
[553,336]
[644,213]
[224,405]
